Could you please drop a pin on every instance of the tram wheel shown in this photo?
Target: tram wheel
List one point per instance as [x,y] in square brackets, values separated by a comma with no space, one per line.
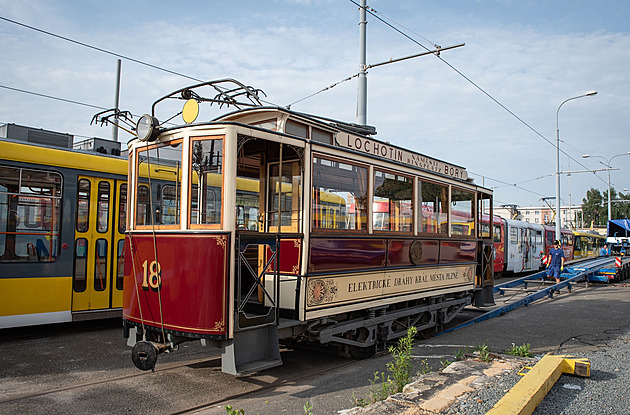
[363,352]
[427,333]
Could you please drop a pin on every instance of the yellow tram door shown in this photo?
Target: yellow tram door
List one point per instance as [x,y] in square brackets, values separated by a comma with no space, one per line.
[91,282]
[119,224]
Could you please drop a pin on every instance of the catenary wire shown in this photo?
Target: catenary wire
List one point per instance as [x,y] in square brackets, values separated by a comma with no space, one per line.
[373,13]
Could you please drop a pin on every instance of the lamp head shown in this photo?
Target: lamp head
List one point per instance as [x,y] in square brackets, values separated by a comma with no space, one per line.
[591,93]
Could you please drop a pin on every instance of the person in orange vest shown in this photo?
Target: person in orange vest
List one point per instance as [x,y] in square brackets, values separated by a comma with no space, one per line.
[555,263]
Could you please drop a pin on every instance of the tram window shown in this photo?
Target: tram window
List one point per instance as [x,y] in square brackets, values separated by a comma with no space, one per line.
[40,183]
[342,188]
[433,199]
[462,210]
[100,265]
[79,279]
[122,208]
[143,207]
[321,136]
[289,208]
[484,205]
[392,209]
[169,203]
[83,205]
[30,213]
[206,181]
[267,124]
[538,238]
[102,223]
[163,163]
[296,129]
[120,260]
[513,235]
[496,236]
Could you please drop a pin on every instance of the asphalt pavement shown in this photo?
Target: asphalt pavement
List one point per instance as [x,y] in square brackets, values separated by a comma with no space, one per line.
[38,371]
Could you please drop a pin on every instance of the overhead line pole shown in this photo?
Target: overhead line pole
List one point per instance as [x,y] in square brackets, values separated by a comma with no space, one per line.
[362,93]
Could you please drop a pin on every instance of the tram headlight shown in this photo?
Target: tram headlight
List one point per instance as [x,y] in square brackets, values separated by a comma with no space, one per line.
[146,128]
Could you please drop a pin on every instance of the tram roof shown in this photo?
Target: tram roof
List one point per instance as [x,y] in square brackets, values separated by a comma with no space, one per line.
[352,137]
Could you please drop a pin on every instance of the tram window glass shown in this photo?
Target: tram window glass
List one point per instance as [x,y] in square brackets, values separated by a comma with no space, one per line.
[296,129]
[30,213]
[100,265]
[289,203]
[102,224]
[462,211]
[578,243]
[267,124]
[122,208]
[434,203]
[513,235]
[83,205]
[120,259]
[496,236]
[484,204]
[143,207]
[321,136]
[79,278]
[248,191]
[163,163]
[567,239]
[206,181]
[339,195]
[169,203]
[392,209]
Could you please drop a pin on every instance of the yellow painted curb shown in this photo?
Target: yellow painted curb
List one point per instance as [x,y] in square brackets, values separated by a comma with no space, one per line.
[525,396]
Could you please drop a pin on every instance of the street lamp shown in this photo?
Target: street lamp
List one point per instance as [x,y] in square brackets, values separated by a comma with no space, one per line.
[608,169]
[588,94]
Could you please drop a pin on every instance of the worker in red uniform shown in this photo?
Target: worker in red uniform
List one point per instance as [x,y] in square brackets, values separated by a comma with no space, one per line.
[555,263]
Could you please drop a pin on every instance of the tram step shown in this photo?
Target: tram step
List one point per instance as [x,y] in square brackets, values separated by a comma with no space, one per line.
[251,351]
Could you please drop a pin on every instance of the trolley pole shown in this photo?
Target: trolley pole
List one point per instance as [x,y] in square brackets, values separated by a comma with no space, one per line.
[116,100]
[362,98]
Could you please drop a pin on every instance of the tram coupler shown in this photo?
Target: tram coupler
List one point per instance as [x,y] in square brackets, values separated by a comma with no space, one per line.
[144,354]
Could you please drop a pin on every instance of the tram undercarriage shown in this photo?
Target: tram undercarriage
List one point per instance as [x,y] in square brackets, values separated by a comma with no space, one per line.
[357,334]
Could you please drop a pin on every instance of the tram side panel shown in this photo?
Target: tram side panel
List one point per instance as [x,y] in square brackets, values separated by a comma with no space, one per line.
[178,282]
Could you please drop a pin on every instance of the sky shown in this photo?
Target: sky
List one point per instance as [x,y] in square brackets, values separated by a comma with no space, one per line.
[489,106]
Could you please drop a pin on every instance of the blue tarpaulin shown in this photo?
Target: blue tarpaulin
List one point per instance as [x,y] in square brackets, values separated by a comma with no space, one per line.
[619,228]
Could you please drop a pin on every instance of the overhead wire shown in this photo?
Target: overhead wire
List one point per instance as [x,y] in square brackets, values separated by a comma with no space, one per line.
[373,12]
[118,55]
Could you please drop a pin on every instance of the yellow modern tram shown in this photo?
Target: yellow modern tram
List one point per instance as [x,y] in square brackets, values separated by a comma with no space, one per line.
[62,224]
[587,244]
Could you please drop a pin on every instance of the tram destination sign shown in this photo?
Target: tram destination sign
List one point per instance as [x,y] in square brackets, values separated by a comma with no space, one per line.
[376,148]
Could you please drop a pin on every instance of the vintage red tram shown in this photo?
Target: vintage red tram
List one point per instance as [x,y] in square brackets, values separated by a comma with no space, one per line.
[259,226]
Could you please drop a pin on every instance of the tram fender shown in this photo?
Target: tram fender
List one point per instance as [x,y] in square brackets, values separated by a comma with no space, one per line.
[251,351]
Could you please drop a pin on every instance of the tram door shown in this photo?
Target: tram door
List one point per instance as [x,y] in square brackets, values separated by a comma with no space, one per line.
[93,285]
[268,205]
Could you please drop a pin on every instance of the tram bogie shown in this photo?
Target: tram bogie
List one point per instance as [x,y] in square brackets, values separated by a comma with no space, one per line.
[286,227]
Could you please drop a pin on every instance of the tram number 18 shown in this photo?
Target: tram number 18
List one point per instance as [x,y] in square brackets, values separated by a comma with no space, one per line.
[151,275]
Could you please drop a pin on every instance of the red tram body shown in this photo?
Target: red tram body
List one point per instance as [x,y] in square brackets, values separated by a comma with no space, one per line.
[259,227]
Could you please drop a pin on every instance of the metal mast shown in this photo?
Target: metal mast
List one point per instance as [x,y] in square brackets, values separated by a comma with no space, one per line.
[116,100]
[362,93]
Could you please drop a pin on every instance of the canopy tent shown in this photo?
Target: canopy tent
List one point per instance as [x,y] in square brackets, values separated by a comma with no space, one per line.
[619,228]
